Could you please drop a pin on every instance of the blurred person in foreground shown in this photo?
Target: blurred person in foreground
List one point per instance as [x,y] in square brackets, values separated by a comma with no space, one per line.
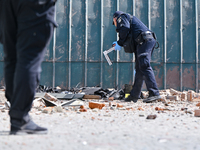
[26,28]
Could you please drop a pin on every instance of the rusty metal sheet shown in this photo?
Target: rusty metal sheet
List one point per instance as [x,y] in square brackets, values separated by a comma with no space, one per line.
[158,70]
[173,76]
[189,71]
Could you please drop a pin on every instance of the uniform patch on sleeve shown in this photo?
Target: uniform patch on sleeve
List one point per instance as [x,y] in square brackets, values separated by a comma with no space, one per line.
[119,20]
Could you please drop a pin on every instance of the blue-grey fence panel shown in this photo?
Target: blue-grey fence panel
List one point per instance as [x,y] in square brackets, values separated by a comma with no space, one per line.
[173,31]
[74,56]
[77,30]
[156,20]
[1,73]
[46,74]
[62,31]
[141,11]
[93,40]
[78,74]
[189,31]
[125,74]
[94,73]
[109,33]
[198,28]
[62,74]
[109,75]
[1,53]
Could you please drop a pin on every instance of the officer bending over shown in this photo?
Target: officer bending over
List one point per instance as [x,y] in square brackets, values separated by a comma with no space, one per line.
[143,43]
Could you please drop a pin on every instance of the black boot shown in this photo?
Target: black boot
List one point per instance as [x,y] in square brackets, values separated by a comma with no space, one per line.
[26,127]
[130,98]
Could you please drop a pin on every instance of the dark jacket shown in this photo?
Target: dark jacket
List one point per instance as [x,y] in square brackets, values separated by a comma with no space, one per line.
[124,26]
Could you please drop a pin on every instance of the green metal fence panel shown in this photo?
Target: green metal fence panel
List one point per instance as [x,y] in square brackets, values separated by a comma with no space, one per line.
[75,54]
[189,31]
[172,31]
[1,52]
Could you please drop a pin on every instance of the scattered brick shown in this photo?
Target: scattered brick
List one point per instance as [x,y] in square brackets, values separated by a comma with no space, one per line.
[140,108]
[158,108]
[93,105]
[119,106]
[50,97]
[82,107]
[198,104]
[197,113]
[83,110]
[111,98]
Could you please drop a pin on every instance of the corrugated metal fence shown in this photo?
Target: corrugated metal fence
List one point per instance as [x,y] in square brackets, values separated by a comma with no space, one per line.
[85,30]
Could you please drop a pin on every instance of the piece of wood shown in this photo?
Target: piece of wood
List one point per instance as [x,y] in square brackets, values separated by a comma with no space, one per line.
[91,97]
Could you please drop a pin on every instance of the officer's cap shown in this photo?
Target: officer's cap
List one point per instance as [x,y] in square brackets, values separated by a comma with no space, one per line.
[116,14]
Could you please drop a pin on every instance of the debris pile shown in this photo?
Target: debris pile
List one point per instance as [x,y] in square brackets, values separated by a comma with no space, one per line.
[94,99]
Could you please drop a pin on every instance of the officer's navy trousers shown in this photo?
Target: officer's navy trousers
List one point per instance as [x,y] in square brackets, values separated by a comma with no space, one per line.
[144,71]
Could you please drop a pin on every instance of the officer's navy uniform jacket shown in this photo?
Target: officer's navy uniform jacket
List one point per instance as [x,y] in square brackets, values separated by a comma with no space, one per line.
[143,53]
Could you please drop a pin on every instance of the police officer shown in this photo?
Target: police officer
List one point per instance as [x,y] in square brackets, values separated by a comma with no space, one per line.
[144,43]
[26,28]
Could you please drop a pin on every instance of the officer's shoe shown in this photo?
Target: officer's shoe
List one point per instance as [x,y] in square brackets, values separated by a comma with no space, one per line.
[130,98]
[27,128]
[152,99]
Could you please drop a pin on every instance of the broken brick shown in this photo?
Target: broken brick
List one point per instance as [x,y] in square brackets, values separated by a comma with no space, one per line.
[158,108]
[50,97]
[198,104]
[197,113]
[93,105]
[119,106]
[174,92]
[83,110]
[82,107]
[190,95]
[111,98]
[140,108]
[112,104]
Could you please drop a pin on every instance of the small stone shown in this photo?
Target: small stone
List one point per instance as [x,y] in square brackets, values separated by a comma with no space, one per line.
[141,114]
[47,110]
[58,109]
[151,117]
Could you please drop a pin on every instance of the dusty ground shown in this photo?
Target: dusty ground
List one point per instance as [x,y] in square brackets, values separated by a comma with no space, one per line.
[112,128]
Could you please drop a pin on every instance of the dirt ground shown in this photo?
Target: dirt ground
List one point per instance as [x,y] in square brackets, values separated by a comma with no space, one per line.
[111,128]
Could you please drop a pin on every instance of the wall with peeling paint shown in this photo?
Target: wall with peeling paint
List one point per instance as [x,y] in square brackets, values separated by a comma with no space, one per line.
[85,30]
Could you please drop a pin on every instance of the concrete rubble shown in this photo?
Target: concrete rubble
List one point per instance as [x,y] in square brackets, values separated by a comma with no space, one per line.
[93,122]
[172,101]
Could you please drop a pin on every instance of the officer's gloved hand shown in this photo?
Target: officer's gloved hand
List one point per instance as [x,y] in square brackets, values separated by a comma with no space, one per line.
[117,47]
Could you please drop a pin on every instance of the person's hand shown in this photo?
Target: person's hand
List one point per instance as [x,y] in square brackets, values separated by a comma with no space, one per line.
[117,47]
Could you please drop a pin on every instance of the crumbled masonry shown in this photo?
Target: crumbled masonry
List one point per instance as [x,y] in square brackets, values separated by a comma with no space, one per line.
[187,102]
